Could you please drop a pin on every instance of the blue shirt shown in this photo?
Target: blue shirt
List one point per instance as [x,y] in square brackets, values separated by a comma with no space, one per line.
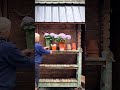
[10,58]
[39,51]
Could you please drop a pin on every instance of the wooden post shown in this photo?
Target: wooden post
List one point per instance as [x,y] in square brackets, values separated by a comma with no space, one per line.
[106,72]
[106,76]
[79,70]
[79,56]
[5,8]
[79,37]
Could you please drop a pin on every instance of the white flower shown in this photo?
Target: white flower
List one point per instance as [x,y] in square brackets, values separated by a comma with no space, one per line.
[52,34]
[46,34]
[55,36]
[27,19]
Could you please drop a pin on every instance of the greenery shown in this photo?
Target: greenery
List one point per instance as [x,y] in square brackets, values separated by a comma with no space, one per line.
[27,24]
[28,27]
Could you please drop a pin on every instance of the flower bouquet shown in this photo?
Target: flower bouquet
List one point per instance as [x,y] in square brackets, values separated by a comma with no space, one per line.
[62,39]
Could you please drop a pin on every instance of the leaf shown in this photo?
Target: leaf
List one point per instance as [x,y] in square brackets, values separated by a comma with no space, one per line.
[31,27]
[25,28]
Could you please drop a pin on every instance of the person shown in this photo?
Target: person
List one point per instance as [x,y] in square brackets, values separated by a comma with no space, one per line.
[10,57]
[39,51]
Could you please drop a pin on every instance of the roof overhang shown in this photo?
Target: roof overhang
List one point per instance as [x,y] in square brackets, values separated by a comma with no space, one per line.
[60,1]
[47,13]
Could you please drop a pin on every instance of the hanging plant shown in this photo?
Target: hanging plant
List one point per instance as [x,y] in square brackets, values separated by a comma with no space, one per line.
[28,27]
[27,24]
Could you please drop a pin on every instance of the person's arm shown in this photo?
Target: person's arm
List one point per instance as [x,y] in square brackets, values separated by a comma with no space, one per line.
[28,52]
[41,50]
[16,57]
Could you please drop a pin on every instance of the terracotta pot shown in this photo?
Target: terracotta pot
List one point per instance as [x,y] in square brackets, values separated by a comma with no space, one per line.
[73,46]
[57,45]
[54,47]
[62,46]
[68,47]
[92,49]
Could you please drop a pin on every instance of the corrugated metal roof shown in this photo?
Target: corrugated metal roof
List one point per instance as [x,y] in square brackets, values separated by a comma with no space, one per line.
[60,1]
[59,13]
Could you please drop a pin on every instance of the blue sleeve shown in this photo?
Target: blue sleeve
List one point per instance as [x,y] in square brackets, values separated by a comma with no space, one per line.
[41,50]
[16,57]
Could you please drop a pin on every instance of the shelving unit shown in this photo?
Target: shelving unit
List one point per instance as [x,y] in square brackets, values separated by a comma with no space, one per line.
[71,82]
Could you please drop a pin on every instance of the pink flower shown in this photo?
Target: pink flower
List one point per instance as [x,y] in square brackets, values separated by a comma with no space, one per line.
[62,35]
[68,36]
[55,36]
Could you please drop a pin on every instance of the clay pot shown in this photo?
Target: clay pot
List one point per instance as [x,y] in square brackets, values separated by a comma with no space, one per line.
[68,47]
[73,46]
[92,49]
[54,47]
[62,46]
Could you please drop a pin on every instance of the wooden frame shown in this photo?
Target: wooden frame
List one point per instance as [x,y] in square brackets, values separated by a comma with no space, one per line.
[74,82]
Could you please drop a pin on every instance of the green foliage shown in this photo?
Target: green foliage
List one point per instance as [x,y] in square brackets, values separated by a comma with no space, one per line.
[59,39]
[28,27]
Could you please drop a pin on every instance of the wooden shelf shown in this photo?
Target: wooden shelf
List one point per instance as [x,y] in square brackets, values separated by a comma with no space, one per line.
[57,80]
[59,66]
[95,61]
[74,82]
[65,52]
[58,83]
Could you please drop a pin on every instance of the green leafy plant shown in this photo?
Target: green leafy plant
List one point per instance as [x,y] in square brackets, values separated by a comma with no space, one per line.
[28,27]
[27,24]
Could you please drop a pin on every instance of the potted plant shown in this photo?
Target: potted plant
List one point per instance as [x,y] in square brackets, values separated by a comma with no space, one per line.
[57,40]
[61,39]
[49,37]
[27,25]
[68,40]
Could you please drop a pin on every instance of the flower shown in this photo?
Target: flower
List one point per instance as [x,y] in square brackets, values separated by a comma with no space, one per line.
[49,36]
[27,20]
[68,37]
[52,34]
[27,23]
[57,37]
[61,37]
[46,34]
